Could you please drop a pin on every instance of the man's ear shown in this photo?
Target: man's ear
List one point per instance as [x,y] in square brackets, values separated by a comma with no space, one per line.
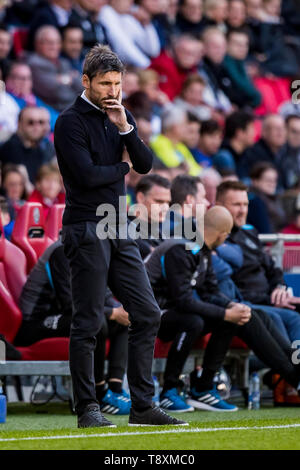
[85,81]
[140,197]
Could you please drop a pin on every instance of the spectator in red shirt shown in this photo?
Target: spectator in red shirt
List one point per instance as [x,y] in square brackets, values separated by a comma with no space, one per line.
[174,65]
[48,188]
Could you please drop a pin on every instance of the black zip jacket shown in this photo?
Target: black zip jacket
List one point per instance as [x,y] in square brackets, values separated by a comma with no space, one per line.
[184,280]
[89,152]
[258,276]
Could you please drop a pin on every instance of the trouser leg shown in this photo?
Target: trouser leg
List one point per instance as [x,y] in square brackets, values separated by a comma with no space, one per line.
[263,338]
[89,263]
[184,330]
[129,282]
[118,350]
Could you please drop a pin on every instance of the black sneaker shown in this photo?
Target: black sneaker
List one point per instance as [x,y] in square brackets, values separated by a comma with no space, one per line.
[92,418]
[153,416]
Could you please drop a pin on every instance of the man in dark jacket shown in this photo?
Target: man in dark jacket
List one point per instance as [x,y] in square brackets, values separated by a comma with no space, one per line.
[90,138]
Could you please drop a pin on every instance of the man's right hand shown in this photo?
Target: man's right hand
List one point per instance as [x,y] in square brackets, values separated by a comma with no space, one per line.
[238,313]
[120,316]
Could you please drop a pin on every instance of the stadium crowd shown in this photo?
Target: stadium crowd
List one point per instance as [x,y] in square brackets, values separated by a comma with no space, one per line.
[211,86]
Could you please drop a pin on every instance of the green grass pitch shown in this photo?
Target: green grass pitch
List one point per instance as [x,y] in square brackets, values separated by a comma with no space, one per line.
[53,427]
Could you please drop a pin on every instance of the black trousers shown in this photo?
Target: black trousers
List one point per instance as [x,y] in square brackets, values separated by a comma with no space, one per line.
[260,334]
[184,330]
[118,351]
[264,338]
[95,263]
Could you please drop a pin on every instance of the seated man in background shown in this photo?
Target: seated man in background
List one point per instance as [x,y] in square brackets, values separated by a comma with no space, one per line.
[258,279]
[192,304]
[29,146]
[154,195]
[54,80]
[46,305]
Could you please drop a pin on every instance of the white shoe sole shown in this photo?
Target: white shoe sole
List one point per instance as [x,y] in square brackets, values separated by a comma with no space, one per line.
[203,406]
[140,425]
[191,408]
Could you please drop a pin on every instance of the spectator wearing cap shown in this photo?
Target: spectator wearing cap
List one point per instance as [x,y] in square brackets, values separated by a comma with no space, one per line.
[243,92]
[176,63]
[140,43]
[266,211]
[19,86]
[27,146]
[54,81]
[239,136]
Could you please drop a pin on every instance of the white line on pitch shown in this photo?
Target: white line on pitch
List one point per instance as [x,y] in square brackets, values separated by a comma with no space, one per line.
[167,431]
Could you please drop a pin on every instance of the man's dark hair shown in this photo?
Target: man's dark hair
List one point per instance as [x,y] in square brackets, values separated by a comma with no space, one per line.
[259,169]
[191,117]
[147,182]
[241,30]
[68,27]
[182,186]
[238,120]
[4,27]
[101,59]
[223,188]
[210,127]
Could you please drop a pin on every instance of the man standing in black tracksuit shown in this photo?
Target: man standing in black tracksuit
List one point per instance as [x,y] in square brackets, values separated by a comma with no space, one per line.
[90,138]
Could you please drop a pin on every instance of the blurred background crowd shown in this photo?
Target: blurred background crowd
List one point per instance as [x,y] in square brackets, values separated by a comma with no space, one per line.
[212,85]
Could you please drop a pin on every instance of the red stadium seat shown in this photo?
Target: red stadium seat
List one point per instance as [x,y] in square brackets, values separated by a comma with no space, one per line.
[29,233]
[274,92]
[54,221]
[20,39]
[50,349]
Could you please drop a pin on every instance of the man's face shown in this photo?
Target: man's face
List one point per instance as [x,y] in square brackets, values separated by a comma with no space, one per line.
[19,81]
[49,45]
[103,87]
[33,124]
[274,131]
[50,186]
[5,44]
[192,10]
[247,136]
[194,93]
[156,202]
[237,203]
[210,143]
[72,43]
[192,136]
[198,199]
[219,12]
[188,53]
[238,46]
[237,14]
[215,47]
[293,133]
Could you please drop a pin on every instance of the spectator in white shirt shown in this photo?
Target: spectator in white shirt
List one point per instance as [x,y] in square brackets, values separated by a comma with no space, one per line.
[130,32]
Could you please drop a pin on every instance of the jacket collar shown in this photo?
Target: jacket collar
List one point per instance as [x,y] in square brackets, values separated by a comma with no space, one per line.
[84,107]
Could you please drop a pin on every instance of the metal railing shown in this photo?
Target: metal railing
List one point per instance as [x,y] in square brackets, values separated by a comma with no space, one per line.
[285,250]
